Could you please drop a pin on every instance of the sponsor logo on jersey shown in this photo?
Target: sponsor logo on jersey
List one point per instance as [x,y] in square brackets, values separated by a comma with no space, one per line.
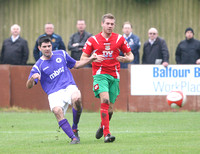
[56,73]
[107,53]
[96,87]
[58,60]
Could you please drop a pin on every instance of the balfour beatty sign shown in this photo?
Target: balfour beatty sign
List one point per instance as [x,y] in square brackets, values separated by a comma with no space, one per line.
[160,80]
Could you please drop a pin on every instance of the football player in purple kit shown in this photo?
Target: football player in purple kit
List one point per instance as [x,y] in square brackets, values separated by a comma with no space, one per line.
[52,69]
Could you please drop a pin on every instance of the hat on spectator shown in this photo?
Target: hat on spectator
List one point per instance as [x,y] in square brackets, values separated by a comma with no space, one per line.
[189,29]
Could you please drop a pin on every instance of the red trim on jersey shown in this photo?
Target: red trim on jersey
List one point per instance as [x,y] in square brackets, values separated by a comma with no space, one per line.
[110,48]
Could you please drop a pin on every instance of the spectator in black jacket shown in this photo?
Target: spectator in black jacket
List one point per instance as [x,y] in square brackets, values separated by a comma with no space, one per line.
[188,50]
[57,42]
[155,50]
[14,49]
[78,39]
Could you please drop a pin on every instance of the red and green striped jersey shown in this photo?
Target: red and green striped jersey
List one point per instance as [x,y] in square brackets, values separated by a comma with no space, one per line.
[110,48]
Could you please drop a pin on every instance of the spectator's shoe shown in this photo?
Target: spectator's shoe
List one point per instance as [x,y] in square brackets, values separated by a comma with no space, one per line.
[75,141]
[99,133]
[109,138]
[76,133]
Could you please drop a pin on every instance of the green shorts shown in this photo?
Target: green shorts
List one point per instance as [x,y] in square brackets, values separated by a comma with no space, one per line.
[106,83]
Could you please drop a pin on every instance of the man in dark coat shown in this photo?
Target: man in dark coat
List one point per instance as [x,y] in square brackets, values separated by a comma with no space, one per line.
[78,39]
[155,50]
[14,49]
[188,50]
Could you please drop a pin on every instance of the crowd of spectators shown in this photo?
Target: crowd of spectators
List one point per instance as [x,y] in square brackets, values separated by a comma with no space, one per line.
[15,49]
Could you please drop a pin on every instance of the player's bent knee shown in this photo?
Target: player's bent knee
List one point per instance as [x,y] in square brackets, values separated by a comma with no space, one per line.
[106,101]
[57,110]
[76,99]
[76,95]
[78,104]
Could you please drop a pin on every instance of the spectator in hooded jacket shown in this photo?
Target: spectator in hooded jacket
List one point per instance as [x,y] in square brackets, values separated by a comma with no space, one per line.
[188,50]
[155,50]
[14,49]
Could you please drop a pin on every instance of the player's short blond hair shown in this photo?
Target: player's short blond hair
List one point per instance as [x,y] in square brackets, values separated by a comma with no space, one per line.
[107,16]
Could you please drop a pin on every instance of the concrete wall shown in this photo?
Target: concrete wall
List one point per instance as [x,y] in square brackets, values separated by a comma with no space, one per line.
[13,92]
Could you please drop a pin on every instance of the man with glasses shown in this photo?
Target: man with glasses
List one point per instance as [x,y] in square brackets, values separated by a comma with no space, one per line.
[155,50]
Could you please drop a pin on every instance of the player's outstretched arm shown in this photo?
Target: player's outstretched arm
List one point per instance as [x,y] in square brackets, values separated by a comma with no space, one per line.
[30,83]
[127,58]
[85,59]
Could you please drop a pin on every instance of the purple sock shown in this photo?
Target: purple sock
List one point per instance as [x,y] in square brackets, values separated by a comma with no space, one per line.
[64,124]
[76,117]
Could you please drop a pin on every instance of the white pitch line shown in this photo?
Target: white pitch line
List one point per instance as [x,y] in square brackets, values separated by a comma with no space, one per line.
[91,132]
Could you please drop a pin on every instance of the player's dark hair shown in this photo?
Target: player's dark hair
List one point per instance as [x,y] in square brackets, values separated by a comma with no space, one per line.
[44,39]
[107,16]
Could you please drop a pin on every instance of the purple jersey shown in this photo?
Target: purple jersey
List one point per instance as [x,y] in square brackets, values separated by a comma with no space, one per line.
[55,73]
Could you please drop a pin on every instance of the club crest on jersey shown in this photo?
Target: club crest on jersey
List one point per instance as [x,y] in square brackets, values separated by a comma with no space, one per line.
[96,87]
[58,60]
[107,47]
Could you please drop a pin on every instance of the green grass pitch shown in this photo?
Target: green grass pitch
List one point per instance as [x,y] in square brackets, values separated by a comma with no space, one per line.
[148,133]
